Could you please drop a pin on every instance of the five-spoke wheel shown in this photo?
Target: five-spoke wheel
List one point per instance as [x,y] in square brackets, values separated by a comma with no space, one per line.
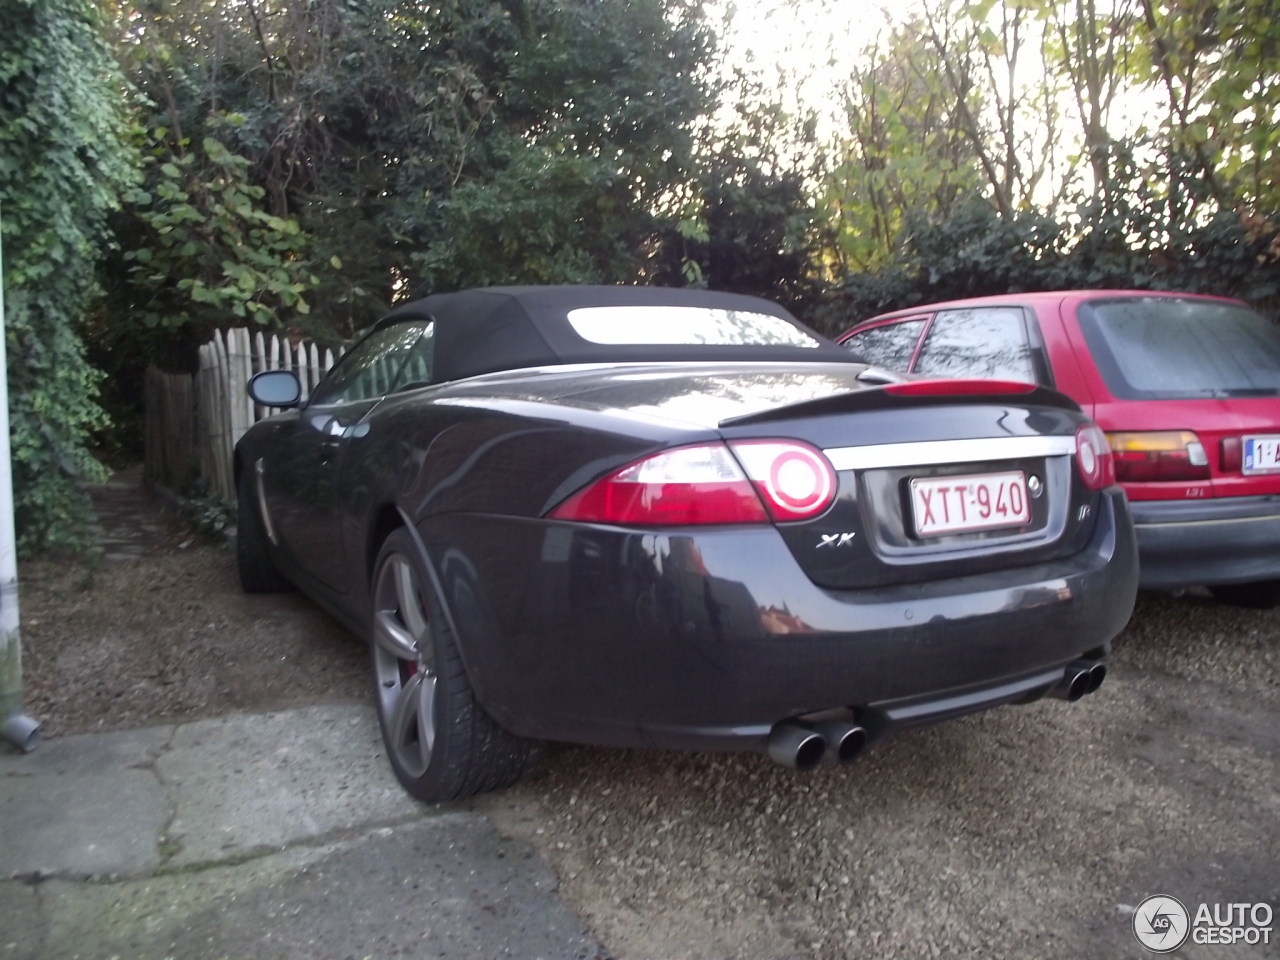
[441,742]
[404,665]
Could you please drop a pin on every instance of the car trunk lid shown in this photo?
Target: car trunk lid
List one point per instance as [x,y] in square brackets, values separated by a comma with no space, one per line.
[935,486]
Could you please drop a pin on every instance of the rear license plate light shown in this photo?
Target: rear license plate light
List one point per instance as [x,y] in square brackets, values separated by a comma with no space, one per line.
[1262,454]
[982,501]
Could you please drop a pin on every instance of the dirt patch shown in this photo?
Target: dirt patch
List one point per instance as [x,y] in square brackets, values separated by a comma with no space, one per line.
[168,635]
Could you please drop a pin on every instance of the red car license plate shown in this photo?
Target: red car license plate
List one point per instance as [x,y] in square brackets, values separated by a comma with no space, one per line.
[984,501]
[1262,454]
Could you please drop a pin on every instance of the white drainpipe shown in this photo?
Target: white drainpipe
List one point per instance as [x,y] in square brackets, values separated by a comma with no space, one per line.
[15,726]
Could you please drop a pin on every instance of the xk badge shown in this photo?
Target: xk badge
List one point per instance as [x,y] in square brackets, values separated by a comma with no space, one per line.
[835,539]
[1161,924]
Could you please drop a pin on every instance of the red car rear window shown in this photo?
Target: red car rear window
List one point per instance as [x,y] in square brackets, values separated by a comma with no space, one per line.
[1150,348]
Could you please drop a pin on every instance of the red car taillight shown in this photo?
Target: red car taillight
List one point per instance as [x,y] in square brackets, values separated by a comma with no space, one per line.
[1093,457]
[1159,455]
[705,484]
[1231,453]
[795,480]
[679,487]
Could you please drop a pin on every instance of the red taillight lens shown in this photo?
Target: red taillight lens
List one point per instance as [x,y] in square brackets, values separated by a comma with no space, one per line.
[958,388]
[679,487]
[1093,457]
[795,481]
[1159,455]
[1232,455]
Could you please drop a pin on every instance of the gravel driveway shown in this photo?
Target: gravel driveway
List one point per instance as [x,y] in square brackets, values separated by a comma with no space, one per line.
[1023,832]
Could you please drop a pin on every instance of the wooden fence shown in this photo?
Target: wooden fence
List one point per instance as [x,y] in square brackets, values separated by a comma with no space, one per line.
[170,439]
[193,422]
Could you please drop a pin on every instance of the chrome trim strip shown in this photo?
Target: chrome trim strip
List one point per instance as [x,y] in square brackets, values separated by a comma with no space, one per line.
[258,469]
[929,452]
[1165,524]
[970,702]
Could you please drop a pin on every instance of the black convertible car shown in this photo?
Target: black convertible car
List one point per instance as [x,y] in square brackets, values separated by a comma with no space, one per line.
[650,517]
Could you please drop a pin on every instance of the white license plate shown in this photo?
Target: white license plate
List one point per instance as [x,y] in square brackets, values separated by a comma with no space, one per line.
[984,501]
[1262,454]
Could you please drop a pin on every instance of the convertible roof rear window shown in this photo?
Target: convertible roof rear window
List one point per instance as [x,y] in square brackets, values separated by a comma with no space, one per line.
[675,325]
[513,328]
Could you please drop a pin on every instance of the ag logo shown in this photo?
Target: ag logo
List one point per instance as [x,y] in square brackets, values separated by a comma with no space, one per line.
[1161,924]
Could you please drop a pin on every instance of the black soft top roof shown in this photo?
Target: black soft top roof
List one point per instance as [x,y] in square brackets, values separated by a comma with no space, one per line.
[508,328]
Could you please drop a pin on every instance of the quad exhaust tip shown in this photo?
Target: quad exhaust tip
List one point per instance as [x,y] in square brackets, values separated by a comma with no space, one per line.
[802,748]
[1078,679]
[844,740]
[796,747]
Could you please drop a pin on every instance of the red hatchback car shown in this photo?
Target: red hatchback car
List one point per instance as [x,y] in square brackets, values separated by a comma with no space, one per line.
[1186,387]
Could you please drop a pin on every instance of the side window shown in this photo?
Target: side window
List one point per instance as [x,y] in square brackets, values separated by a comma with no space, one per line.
[979,342]
[371,369]
[890,346]
[417,368]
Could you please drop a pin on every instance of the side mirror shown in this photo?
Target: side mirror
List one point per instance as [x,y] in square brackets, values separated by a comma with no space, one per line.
[275,388]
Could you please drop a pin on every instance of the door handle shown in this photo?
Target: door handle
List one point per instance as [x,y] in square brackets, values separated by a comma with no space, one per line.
[332,441]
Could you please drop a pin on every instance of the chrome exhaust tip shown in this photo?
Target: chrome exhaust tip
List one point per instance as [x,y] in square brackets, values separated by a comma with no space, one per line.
[795,746]
[1079,678]
[844,740]
[1097,673]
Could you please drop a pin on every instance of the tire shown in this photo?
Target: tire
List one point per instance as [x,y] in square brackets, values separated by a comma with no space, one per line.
[1259,595]
[258,574]
[441,743]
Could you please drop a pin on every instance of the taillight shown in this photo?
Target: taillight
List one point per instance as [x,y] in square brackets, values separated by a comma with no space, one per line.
[1093,457]
[958,388]
[795,480]
[1232,455]
[1159,455]
[679,487]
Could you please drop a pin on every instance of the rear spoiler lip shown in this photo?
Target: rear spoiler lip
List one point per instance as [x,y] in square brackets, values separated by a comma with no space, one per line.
[876,398]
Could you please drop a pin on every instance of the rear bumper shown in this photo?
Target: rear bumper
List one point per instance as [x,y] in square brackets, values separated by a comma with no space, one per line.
[706,639]
[1186,543]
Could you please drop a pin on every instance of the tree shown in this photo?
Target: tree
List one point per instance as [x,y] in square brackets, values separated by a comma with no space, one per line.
[1217,63]
[906,153]
[308,163]
[1097,52]
[982,50]
[400,133]
[63,162]
[592,129]
[207,249]
[747,222]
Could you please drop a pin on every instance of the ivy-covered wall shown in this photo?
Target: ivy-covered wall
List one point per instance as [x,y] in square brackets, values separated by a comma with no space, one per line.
[62,163]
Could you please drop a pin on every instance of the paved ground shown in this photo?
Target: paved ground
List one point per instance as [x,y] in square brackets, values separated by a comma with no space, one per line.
[130,525]
[278,836]
[254,835]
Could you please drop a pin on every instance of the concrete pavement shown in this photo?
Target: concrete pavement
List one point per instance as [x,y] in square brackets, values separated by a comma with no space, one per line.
[280,836]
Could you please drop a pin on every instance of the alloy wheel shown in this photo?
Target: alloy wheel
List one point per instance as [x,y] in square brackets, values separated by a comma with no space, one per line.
[404,665]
